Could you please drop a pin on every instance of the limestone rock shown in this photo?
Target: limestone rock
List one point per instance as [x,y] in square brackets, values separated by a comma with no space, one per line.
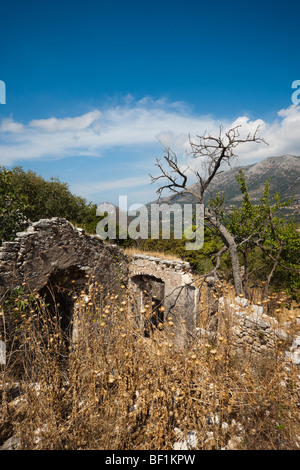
[13,443]
[187,441]
[293,354]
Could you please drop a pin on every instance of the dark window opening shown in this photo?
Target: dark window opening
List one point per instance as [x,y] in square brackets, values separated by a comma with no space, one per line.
[58,295]
[150,292]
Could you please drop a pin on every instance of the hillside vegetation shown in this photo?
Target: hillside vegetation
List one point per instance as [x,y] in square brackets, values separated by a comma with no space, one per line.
[26,196]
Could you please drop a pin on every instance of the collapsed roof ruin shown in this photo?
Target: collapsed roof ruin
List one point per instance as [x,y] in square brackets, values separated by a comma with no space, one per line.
[52,257]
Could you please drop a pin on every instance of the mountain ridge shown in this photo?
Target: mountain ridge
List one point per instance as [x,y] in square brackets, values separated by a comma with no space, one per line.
[282,171]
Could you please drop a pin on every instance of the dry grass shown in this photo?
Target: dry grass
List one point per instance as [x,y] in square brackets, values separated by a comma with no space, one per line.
[278,304]
[115,389]
[130,251]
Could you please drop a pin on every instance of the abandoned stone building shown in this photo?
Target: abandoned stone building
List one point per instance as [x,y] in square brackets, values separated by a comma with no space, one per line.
[52,258]
[167,285]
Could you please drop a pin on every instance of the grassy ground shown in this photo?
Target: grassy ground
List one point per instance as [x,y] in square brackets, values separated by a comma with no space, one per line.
[130,251]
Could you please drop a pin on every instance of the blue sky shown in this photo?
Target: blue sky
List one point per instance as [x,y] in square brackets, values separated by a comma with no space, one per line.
[94,86]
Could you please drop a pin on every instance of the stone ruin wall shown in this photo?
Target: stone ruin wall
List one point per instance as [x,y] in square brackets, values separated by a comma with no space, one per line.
[53,250]
[53,246]
[52,258]
[180,298]
[250,330]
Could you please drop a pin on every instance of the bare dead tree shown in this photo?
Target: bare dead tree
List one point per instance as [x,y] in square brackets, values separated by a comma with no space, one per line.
[213,152]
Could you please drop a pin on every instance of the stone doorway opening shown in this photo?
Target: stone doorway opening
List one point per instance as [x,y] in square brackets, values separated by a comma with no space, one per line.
[59,293]
[149,295]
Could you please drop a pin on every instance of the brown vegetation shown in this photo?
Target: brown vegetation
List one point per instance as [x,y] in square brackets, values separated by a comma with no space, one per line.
[112,388]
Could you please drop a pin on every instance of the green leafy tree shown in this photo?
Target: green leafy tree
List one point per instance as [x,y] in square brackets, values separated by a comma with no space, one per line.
[265,241]
[13,206]
[26,196]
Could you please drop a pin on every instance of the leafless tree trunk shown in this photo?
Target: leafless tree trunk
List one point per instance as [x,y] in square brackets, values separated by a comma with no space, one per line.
[232,248]
[213,153]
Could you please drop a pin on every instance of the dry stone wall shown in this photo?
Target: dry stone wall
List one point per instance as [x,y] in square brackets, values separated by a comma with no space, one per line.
[52,252]
[54,246]
[180,298]
[252,331]
[250,328]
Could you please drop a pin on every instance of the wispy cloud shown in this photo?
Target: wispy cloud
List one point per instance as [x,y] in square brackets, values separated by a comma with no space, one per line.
[138,190]
[79,123]
[138,123]
[103,186]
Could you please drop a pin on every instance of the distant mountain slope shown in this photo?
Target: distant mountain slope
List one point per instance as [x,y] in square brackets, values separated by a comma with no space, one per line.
[283,173]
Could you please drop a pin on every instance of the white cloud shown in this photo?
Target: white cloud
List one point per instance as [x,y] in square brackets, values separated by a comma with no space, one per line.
[8,125]
[66,124]
[143,123]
